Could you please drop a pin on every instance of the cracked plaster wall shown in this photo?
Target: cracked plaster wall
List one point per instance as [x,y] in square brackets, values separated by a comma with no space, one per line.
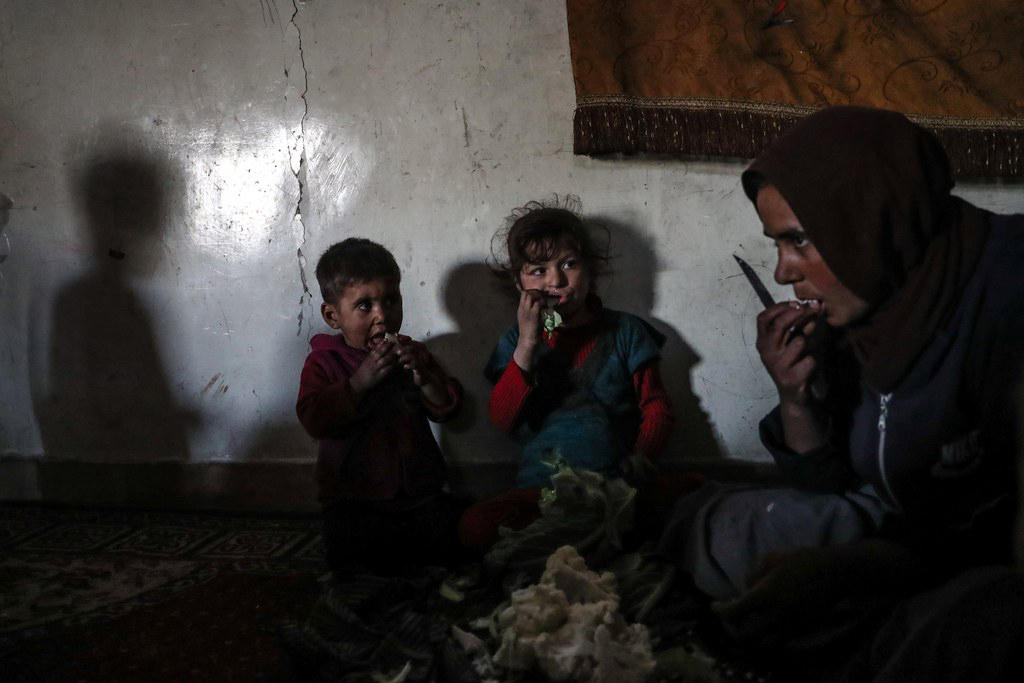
[273,129]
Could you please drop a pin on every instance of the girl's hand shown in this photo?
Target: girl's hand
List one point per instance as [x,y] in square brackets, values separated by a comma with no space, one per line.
[783,349]
[379,363]
[531,302]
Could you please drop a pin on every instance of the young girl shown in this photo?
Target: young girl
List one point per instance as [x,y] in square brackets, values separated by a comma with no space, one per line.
[573,380]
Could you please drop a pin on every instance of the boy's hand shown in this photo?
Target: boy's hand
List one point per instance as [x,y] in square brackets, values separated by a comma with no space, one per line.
[414,356]
[379,363]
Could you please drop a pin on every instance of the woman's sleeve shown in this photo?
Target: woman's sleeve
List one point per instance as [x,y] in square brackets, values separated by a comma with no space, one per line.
[1001,394]
[994,502]
[824,469]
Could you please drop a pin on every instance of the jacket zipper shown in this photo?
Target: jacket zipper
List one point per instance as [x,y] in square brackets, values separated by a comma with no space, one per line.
[883,416]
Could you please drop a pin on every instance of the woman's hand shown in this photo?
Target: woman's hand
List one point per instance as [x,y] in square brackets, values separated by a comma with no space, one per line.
[794,591]
[790,591]
[783,348]
[782,343]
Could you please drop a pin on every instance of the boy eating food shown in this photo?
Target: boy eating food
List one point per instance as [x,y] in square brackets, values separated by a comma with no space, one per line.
[366,394]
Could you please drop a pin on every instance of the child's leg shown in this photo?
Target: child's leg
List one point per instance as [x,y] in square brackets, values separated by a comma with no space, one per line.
[358,537]
[478,527]
[429,530]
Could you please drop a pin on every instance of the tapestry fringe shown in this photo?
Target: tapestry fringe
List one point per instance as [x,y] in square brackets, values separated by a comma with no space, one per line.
[603,129]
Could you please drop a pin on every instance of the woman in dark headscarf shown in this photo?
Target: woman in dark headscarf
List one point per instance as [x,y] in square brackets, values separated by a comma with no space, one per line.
[895,371]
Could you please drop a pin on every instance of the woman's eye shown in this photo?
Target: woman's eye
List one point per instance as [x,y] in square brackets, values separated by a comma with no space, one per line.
[800,241]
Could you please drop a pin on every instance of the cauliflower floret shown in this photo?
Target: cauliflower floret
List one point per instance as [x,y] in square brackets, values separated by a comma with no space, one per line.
[623,653]
[568,572]
[568,626]
[534,610]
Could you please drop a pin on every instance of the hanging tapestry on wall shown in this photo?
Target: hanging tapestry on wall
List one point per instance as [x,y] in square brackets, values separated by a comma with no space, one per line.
[725,77]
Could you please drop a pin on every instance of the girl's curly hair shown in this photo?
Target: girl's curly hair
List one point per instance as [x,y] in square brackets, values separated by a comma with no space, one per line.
[534,231]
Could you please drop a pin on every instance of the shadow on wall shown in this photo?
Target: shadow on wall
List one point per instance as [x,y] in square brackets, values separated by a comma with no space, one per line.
[5,244]
[281,441]
[108,398]
[482,308]
[631,288]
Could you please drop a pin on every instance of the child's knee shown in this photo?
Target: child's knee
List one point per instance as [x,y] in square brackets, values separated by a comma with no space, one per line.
[479,524]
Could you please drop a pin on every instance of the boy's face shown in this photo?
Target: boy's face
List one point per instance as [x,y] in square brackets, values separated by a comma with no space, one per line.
[365,311]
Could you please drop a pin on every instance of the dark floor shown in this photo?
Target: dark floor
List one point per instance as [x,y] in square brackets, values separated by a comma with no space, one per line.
[91,594]
[111,595]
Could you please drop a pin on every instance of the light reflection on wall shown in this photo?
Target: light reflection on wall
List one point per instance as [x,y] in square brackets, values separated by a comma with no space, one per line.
[238,193]
[243,197]
[338,169]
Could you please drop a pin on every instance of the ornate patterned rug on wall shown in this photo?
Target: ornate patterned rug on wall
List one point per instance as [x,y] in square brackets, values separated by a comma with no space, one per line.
[129,595]
[695,77]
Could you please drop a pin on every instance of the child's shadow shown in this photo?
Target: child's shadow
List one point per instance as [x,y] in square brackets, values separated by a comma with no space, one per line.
[108,398]
[631,288]
[481,459]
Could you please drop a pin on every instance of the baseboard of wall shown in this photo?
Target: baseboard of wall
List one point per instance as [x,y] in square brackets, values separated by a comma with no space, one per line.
[250,486]
[281,486]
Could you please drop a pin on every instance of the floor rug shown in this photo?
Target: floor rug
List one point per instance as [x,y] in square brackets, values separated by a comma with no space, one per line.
[111,595]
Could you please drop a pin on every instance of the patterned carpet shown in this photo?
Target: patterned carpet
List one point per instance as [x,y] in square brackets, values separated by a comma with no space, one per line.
[111,595]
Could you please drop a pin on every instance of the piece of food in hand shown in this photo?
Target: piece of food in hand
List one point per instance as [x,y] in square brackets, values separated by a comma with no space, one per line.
[391,337]
[551,319]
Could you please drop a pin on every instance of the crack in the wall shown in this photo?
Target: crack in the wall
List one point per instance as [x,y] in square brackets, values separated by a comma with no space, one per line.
[299,170]
[306,298]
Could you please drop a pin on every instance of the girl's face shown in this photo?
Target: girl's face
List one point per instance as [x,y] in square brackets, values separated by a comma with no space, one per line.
[801,265]
[563,277]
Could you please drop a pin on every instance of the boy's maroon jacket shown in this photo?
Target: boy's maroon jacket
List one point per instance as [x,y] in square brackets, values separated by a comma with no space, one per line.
[380,448]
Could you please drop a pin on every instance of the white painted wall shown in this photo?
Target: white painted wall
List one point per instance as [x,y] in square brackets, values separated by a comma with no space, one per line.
[269,136]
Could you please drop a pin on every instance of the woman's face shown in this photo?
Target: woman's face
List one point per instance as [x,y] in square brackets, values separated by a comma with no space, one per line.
[801,265]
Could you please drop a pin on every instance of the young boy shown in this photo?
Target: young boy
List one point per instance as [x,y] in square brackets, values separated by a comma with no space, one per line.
[366,394]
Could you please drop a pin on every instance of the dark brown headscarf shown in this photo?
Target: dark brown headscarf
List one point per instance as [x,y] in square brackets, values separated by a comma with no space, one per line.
[872,190]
